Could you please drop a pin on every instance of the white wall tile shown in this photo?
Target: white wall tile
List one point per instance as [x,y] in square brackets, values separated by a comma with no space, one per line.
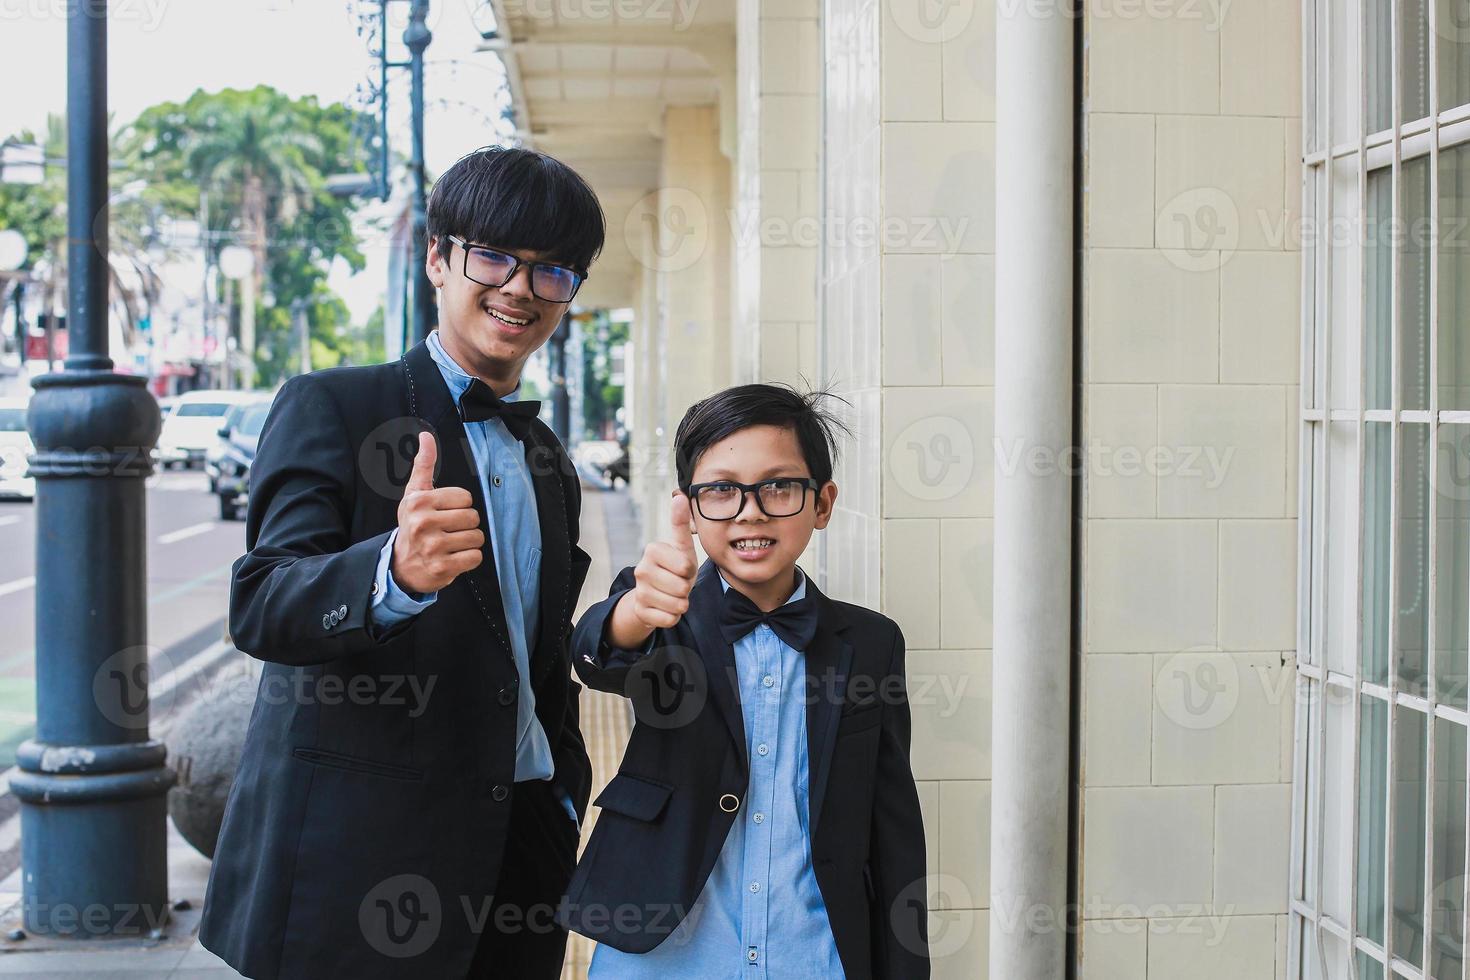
[1150,585]
[1260,318]
[949,697]
[790,57]
[1237,948]
[969,66]
[1227,446]
[1146,847]
[1258,585]
[1215,174]
[911,579]
[911,320]
[939,187]
[1261,58]
[1119,196]
[911,74]
[1117,718]
[1152,62]
[937,456]
[1252,838]
[966,582]
[1150,320]
[1121,431]
[1114,949]
[1217,717]
[968,330]
[964,840]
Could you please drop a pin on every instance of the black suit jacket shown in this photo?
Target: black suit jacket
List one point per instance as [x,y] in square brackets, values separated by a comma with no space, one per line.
[365,827]
[665,815]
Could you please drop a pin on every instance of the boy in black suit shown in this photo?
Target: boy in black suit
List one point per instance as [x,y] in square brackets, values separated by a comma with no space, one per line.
[764,822]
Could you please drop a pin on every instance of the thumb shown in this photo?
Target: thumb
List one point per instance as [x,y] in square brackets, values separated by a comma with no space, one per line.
[681,523]
[422,477]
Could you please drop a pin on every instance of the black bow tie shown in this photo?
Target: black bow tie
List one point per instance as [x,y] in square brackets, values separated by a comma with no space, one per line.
[479,403]
[795,623]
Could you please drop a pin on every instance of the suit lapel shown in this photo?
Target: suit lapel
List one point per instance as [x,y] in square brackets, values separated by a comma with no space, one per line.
[828,664]
[429,399]
[545,462]
[717,653]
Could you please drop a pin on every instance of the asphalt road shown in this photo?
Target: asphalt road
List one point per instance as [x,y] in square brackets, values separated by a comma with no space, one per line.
[190,551]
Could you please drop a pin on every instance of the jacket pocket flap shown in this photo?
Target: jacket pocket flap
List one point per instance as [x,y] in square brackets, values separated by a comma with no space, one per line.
[634,796]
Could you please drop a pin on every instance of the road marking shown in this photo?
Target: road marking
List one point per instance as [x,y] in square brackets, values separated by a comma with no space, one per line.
[187,532]
[18,585]
[7,521]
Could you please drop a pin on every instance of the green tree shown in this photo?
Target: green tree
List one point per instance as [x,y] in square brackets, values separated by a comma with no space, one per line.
[258,160]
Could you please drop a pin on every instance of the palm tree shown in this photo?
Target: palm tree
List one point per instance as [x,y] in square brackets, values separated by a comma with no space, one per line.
[271,163]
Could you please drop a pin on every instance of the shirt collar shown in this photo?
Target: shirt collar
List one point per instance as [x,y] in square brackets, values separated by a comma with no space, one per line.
[455,376]
[797,594]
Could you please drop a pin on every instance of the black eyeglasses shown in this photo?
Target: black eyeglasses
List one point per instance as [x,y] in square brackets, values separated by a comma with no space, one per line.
[723,500]
[492,267]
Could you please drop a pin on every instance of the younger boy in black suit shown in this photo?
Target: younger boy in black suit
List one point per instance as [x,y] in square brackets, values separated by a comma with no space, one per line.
[764,822]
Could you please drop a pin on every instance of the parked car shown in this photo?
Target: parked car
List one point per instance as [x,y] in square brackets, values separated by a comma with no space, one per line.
[228,463]
[15,446]
[189,429]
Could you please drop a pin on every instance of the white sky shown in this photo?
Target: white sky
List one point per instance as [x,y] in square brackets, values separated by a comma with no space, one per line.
[162,50]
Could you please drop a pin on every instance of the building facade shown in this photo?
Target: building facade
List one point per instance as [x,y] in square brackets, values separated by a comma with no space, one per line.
[1188,678]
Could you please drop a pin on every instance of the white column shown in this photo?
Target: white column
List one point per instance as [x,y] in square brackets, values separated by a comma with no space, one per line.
[1033,515]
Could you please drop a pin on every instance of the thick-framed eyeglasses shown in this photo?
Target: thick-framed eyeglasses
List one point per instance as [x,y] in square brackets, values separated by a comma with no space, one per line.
[723,500]
[492,267]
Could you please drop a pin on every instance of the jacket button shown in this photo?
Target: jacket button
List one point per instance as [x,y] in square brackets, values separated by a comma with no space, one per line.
[333,618]
[499,793]
[374,589]
[341,612]
[327,622]
[729,803]
[506,696]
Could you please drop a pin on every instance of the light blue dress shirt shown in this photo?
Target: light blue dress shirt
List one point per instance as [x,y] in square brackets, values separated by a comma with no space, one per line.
[761,915]
[515,538]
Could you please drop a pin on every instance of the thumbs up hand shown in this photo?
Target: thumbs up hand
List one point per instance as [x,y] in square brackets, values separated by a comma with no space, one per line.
[439,536]
[665,578]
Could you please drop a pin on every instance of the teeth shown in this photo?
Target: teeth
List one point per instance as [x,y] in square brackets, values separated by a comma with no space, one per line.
[508,319]
[747,544]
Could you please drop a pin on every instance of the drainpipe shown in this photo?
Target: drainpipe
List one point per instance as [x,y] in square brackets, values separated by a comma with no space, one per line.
[1030,733]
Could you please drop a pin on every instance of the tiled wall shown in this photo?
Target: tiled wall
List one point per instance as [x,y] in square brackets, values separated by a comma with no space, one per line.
[1190,352]
[906,331]
[775,226]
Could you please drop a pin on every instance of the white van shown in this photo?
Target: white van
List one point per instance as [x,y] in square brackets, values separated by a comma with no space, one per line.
[193,425]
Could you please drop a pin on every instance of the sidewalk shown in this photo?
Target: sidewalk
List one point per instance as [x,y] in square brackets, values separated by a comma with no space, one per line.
[609,535]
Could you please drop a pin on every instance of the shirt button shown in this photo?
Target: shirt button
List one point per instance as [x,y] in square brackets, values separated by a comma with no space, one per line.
[763,748]
[496,481]
[759,818]
[750,954]
[755,886]
[768,681]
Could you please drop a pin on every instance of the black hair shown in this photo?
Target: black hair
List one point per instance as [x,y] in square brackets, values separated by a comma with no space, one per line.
[727,412]
[518,199]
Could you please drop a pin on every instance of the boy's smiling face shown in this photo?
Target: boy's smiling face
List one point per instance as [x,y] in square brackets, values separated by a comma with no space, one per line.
[760,452]
[474,320]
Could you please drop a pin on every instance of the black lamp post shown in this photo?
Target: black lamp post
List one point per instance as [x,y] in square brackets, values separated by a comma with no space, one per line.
[417,37]
[91,783]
